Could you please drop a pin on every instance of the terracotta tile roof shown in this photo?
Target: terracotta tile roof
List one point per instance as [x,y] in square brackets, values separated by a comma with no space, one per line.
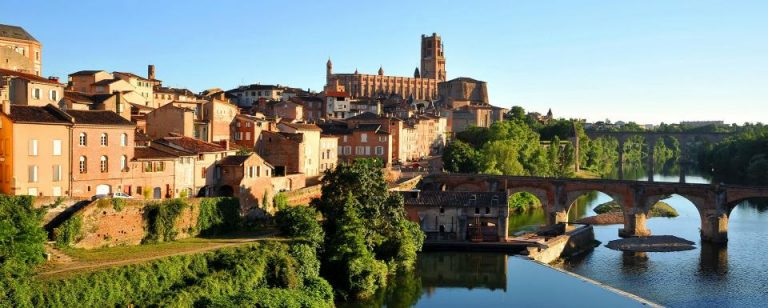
[188,144]
[369,127]
[15,32]
[149,153]
[36,114]
[78,97]
[454,198]
[177,91]
[302,126]
[234,160]
[365,116]
[98,117]
[85,73]
[131,75]
[106,82]
[25,76]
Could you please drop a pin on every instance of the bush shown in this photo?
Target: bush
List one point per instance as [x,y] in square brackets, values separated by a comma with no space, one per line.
[218,216]
[21,234]
[161,220]
[70,231]
[118,204]
[260,275]
[300,221]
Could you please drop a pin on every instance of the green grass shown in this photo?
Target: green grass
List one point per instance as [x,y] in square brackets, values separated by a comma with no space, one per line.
[660,209]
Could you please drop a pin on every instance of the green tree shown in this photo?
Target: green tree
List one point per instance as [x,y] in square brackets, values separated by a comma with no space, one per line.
[459,156]
[366,229]
[21,235]
[301,221]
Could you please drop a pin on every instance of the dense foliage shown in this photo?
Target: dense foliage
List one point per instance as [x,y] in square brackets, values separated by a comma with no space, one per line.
[218,216]
[21,234]
[367,235]
[69,232]
[522,202]
[161,220]
[741,159]
[260,275]
[301,221]
[510,147]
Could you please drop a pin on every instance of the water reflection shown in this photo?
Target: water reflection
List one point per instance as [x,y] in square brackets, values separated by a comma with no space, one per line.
[634,262]
[713,259]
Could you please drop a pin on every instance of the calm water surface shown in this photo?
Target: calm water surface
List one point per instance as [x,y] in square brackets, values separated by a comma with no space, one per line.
[711,276]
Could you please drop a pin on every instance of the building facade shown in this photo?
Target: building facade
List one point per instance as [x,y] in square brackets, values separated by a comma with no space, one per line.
[423,85]
[20,51]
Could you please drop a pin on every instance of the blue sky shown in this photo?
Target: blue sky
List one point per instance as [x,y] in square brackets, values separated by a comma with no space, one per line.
[645,61]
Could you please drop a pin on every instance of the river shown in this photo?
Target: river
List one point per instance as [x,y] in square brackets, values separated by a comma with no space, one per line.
[709,275]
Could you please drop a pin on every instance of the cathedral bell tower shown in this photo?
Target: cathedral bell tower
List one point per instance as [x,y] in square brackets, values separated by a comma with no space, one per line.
[432,57]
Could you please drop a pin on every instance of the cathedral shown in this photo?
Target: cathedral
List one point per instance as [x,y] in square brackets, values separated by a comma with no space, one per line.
[422,86]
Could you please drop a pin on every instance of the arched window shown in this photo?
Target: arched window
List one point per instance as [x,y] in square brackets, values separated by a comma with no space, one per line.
[104,139]
[83,164]
[83,139]
[124,139]
[104,164]
[123,163]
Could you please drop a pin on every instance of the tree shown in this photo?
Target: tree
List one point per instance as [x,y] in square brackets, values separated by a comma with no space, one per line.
[517,112]
[459,156]
[366,229]
[301,221]
[22,238]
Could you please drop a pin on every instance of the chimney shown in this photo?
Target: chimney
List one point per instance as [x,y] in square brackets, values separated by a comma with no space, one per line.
[151,72]
[54,79]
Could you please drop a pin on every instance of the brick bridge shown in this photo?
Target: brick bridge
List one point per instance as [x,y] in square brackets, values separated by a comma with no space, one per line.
[713,202]
[650,137]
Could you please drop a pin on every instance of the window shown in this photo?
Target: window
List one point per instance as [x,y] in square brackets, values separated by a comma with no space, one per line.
[379,151]
[124,139]
[123,163]
[56,173]
[83,164]
[53,95]
[363,137]
[104,164]
[359,150]
[104,139]
[345,138]
[348,150]
[442,210]
[487,210]
[367,150]
[247,124]
[247,135]
[237,124]
[36,93]
[382,138]
[57,148]
[477,210]
[250,172]
[160,167]
[33,147]
[32,174]
[258,170]
[204,171]
[83,139]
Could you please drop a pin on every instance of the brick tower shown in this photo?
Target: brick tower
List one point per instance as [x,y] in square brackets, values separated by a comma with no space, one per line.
[432,57]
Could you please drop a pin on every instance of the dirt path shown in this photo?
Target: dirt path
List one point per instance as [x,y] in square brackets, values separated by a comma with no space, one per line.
[67,264]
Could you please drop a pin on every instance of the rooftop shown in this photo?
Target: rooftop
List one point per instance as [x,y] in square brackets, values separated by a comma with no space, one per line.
[302,126]
[36,114]
[98,117]
[150,153]
[15,32]
[85,73]
[29,77]
[188,144]
[234,160]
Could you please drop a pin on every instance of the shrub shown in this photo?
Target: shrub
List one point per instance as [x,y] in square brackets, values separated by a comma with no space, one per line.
[69,232]
[218,216]
[118,204]
[161,220]
[21,234]
[300,221]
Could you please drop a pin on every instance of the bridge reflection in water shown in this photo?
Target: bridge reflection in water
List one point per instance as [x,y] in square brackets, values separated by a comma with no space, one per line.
[463,270]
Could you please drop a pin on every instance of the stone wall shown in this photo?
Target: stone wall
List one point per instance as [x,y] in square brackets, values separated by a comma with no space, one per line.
[304,195]
[106,226]
[568,244]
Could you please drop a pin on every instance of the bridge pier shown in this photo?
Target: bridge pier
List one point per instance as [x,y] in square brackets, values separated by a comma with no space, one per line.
[557,217]
[634,225]
[714,228]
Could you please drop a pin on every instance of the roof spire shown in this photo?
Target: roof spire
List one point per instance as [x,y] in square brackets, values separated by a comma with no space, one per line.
[381,70]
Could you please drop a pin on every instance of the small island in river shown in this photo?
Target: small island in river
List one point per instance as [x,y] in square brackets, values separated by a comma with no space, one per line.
[610,213]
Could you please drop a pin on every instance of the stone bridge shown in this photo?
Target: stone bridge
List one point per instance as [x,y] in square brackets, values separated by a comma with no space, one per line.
[713,202]
[651,138]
